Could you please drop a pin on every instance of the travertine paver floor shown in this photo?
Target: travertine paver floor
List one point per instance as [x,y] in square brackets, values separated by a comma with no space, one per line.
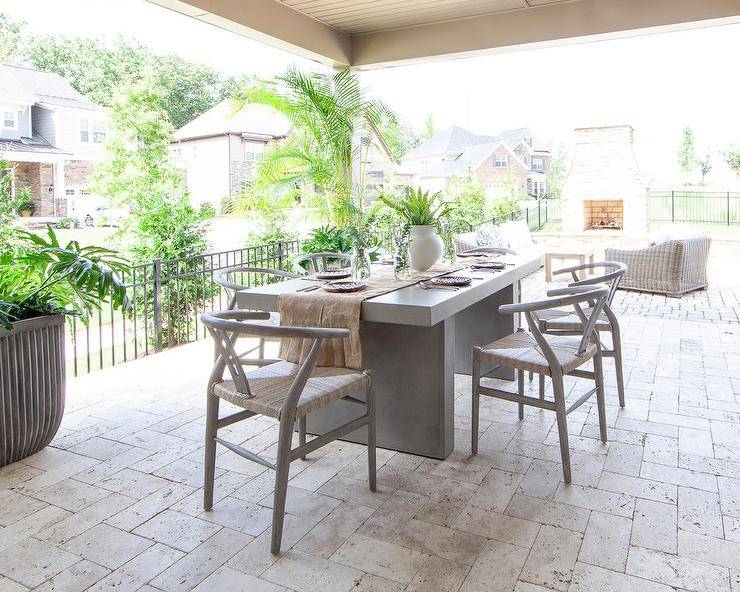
[115,503]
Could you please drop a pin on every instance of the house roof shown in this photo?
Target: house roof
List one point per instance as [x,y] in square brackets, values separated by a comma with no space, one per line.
[451,140]
[29,86]
[35,145]
[456,140]
[253,120]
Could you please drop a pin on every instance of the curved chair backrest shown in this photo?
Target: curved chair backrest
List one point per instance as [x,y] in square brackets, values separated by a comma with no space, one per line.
[575,296]
[227,279]
[322,261]
[226,326]
[613,272]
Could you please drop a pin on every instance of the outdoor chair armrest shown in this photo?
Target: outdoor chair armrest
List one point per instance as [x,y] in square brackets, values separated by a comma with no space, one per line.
[230,320]
[221,277]
[559,297]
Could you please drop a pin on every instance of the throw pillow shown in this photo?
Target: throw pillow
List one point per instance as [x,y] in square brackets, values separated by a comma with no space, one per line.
[488,235]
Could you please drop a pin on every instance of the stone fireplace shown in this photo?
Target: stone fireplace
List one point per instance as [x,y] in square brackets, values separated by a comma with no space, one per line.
[603,214]
[604,189]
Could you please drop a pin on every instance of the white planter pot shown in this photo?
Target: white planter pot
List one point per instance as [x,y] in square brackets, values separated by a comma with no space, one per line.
[426,247]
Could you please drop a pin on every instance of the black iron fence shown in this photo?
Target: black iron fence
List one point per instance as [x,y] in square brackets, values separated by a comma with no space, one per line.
[168,297]
[702,207]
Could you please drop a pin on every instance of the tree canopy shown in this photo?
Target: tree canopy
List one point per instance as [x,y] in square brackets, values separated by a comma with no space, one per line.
[687,152]
[98,68]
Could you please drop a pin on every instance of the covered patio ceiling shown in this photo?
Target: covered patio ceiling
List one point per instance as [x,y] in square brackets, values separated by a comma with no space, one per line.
[374,33]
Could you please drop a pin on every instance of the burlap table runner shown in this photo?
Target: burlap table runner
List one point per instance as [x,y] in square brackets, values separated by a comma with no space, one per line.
[335,310]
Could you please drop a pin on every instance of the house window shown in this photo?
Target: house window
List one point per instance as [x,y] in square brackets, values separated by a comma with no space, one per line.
[529,187]
[528,142]
[254,151]
[100,130]
[84,130]
[501,161]
[538,164]
[10,120]
[69,192]
[95,129]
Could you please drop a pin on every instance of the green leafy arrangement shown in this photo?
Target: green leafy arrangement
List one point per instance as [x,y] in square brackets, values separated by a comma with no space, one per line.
[328,239]
[418,207]
[42,277]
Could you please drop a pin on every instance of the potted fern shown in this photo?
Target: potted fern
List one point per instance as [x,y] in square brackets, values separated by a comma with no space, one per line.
[26,207]
[423,212]
[41,281]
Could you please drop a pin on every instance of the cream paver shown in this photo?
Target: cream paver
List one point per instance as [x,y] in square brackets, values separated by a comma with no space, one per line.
[139,450]
[552,558]
[606,541]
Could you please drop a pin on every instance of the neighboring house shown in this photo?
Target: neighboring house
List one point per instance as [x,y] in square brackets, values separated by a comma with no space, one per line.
[50,135]
[220,151]
[511,158]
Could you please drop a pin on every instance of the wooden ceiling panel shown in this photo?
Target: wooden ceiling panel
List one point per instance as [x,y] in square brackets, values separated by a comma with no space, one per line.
[366,16]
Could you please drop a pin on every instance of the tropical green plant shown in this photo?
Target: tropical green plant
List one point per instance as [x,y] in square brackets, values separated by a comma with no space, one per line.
[327,239]
[328,112]
[419,207]
[42,277]
[504,208]
[68,223]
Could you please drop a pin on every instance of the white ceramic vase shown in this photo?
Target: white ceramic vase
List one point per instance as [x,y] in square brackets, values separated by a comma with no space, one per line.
[426,247]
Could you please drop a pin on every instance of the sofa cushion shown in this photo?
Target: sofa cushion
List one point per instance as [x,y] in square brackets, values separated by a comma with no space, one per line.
[516,234]
[489,235]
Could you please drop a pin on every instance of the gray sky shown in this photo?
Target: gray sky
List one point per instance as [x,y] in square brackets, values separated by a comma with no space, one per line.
[657,83]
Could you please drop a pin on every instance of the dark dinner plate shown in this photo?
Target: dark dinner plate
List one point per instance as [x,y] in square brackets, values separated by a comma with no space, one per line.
[450,280]
[334,274]
[345,286]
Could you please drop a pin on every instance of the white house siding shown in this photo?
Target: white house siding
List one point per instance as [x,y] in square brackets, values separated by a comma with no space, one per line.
[22,113]
[68,133]
[206,161]
[43,123]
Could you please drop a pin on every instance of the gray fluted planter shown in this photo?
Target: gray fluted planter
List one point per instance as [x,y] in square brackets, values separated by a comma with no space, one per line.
[32,370]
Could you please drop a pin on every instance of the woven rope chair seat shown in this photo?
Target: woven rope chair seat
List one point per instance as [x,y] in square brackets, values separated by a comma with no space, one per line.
[521,351]
[270,385]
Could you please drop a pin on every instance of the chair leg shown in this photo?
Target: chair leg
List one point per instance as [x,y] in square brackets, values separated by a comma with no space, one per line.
[475,379]
[542,386]
[599,380]
[562,421]
[617,347]
[261,349]
[520,390]
[210,450]
[371,463]
[282,468]
[302,433]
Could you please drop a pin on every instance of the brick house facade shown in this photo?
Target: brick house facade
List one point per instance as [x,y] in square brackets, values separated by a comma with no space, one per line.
[510,162]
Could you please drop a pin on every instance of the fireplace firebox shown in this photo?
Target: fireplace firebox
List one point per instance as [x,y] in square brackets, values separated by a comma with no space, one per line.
[603,214]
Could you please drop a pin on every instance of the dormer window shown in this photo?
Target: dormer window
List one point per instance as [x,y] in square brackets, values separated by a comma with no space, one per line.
[501,161]
[10,119]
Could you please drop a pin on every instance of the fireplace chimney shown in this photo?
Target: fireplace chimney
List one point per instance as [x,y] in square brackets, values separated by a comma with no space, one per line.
[604,188]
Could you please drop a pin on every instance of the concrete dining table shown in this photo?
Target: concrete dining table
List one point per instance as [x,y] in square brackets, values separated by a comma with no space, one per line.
[416,340]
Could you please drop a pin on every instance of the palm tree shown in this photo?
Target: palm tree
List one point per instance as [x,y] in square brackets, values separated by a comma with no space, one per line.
[329,114]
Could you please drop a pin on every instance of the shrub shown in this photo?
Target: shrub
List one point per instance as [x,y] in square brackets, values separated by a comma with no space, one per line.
[469,198]
[68,222]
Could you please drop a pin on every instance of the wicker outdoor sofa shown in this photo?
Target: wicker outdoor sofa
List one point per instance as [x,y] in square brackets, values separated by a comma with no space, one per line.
[672,267]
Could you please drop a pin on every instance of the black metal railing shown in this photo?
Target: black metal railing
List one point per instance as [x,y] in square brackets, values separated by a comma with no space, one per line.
[168,297]
[702,207]
[536,216]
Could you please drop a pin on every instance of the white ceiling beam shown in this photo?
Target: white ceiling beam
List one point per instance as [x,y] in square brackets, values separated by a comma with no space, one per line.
[539,25]
[271,22]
